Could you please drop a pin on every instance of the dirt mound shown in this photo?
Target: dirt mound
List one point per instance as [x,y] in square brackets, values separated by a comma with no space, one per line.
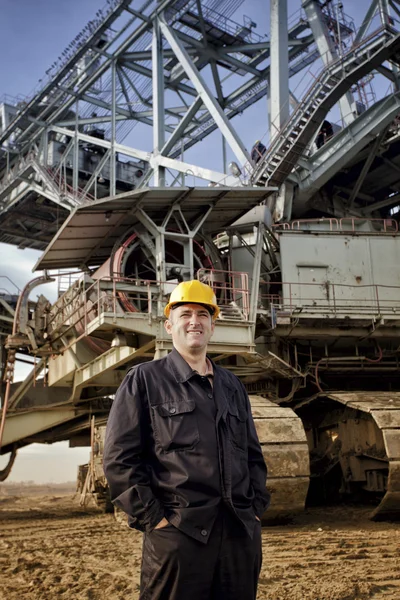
[50,548]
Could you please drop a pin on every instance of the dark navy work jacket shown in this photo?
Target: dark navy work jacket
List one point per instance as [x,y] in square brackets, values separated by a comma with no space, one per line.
[177,447]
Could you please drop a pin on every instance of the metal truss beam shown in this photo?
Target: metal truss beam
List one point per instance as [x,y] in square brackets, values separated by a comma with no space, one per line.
[370,159]
[279,77]
[328,161]
[202,49]
[146,55]
[179,130]
[208,52]
[204,92]
[158,101]
[327,51]
[195,171]
[241,99]
[84,137]
[381,204]
[128,52]
[395,7]
[169,81]
[87,84]
[366,22]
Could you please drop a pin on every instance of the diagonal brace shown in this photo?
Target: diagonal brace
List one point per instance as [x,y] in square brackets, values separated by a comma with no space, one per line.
[205,93]
[366,167]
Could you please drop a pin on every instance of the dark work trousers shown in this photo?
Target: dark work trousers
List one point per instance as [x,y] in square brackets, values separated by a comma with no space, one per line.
[177,567]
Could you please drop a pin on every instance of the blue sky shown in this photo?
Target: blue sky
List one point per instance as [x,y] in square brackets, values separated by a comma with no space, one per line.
[33,35]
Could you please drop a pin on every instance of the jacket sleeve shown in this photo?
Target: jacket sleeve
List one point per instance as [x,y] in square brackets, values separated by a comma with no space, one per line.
[125,456]
[257,466]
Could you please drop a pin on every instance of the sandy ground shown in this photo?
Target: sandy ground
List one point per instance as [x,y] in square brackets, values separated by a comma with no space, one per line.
[50,548]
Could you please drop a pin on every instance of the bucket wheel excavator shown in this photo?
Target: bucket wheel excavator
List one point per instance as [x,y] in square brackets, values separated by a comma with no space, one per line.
[111,318]
[301,246]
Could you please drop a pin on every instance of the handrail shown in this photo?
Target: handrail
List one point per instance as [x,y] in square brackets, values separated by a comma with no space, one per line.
[325,74]
[65,187]
[79,305]
[62,187]
[336,224]
[231,286]
[289,297]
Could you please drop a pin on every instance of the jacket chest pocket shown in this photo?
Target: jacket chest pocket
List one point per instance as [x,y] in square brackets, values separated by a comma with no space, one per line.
[175,425]
[237,425]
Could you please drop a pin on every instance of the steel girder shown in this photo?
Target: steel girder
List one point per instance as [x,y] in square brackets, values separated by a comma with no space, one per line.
[149,67]
[120,55]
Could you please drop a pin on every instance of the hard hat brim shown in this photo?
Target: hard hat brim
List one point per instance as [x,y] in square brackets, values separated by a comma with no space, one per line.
[212,308]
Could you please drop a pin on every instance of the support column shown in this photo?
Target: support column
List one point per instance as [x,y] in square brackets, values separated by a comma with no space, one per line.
[328,52]
[158,101]
[2,365]
[75,171]
[205,94]
[113,178]
[279,93]
[384,10]
[255,280]
[385,14]
[279,77]
[160,352]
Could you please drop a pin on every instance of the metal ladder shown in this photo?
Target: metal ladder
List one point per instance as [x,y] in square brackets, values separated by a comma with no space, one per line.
[335,80]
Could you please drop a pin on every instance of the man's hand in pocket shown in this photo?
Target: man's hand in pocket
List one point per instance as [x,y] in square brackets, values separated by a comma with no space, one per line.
[163,523]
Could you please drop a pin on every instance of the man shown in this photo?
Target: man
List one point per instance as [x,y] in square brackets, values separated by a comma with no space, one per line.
[182,459]
[324,134]
[257,151]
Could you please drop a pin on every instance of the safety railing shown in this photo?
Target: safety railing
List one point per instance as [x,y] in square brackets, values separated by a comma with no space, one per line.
[345,224]
[55,179]
[231,289]
[332,300]
[16,170]
[337,69]
[114,297]
[78,195]
[79,306]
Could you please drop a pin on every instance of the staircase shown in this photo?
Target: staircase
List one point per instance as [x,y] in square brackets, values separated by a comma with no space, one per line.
[334,81]
[54,186]
[231,312]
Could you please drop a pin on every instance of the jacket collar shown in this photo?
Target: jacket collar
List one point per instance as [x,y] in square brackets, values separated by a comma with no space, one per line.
[183,371]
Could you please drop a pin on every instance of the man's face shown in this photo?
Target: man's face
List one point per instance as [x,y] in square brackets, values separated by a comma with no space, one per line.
[191,327]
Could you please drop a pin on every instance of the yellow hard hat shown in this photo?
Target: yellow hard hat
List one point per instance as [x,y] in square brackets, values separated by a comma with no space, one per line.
[193,292]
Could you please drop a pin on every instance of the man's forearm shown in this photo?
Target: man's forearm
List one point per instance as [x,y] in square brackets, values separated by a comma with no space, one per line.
[138,501]
[124,456]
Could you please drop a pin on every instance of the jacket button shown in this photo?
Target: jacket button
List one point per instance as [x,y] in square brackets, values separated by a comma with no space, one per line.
[172,410]
[204,532]
[210,395]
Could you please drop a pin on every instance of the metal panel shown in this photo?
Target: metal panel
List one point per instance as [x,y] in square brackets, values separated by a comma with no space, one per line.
[287,496]
[22,425]
[387,419]
[392,443]
[339,272]
[259,411]
[282,460]
[274,431]
[104,221]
